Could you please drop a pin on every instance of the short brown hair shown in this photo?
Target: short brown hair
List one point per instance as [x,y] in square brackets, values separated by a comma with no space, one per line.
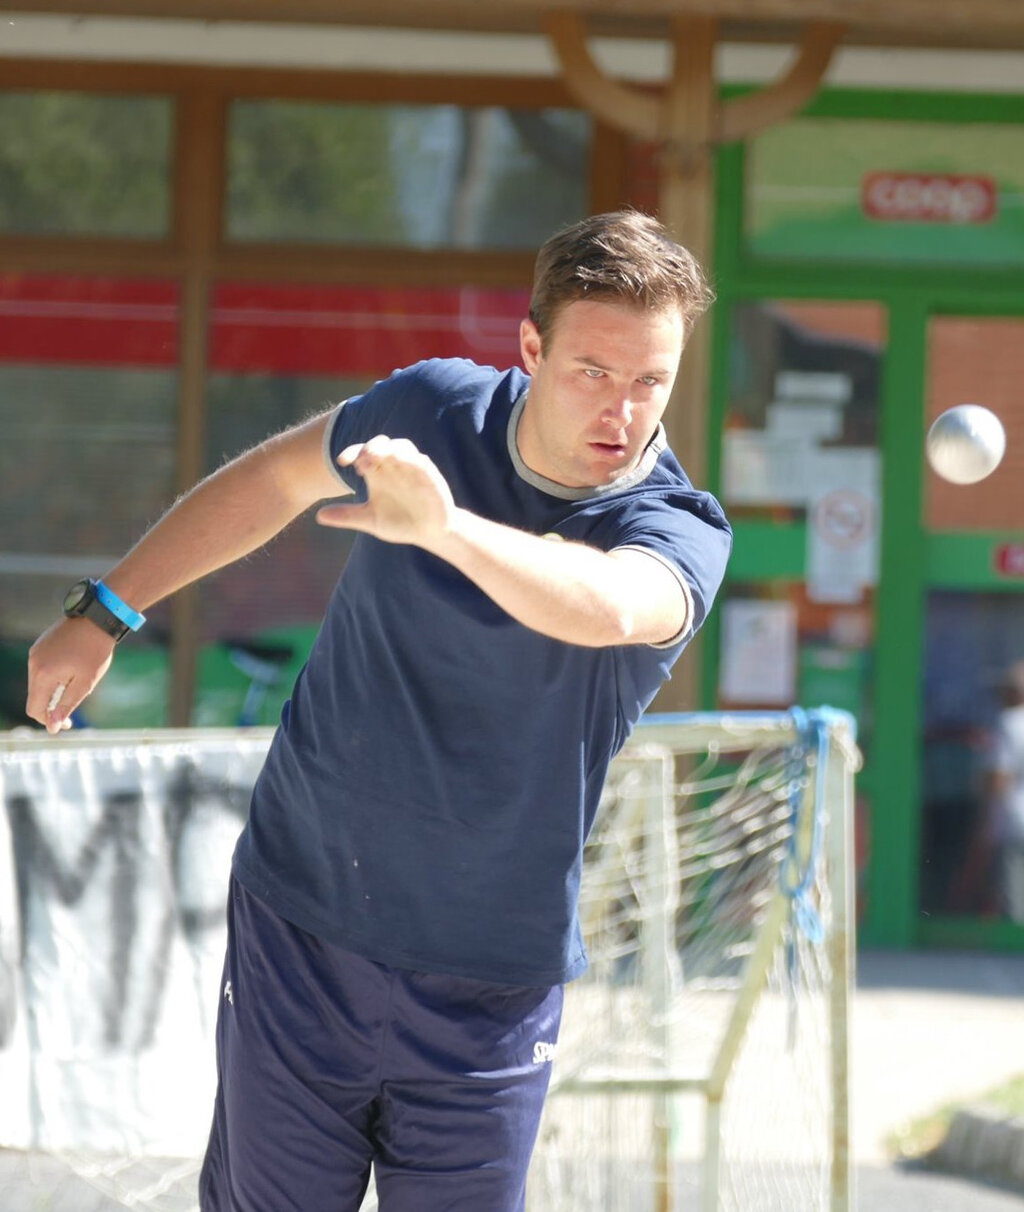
[624,256]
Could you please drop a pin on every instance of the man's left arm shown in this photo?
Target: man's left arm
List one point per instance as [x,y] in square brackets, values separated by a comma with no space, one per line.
[566,590]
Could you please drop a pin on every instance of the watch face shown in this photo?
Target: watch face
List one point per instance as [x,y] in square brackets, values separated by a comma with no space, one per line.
[76,596]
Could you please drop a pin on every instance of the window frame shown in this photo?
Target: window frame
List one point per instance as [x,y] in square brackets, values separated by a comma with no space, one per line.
[197,254]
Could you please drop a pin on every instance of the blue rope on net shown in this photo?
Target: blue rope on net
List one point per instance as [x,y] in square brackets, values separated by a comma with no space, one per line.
[798,878]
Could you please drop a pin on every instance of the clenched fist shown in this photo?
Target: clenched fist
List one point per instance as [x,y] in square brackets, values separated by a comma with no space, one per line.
[408,500]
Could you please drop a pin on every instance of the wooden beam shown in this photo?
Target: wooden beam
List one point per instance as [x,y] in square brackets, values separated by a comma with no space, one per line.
[280,83]
[686,207]
[926,22]
[621,106]
[199,160]
[608,178]
[741,117]
[87,255]
[682,118]
[945,14]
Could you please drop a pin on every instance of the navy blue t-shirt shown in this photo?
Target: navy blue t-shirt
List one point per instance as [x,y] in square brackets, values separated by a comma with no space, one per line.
[437,770]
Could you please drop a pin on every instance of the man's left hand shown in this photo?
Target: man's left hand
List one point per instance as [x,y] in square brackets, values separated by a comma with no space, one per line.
[408,500]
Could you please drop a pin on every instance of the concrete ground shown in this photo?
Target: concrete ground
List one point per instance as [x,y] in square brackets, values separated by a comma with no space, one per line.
[928,1029]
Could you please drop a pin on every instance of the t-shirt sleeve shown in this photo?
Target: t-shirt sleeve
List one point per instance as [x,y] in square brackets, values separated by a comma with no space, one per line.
[404,405]
[360,418]
[688,531]
[417,402]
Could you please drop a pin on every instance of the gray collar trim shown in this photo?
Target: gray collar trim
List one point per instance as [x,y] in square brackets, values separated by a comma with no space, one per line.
[639,473]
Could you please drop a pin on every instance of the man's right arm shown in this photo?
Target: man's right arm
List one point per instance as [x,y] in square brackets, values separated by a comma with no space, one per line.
[231,513]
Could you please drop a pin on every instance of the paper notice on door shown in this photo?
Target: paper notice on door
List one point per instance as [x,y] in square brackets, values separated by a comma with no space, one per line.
[842,525]
[759,648]
[760,468]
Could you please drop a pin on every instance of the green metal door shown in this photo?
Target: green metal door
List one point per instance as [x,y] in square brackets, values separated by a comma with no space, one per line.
[869,264]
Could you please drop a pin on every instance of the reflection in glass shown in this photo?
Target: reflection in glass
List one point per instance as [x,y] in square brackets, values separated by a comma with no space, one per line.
[421,176]
[803,381]
[87,461]
[801,431]
[288,583]
[800,479]
[260,615]
[780,648]
[973,641]
[83,164]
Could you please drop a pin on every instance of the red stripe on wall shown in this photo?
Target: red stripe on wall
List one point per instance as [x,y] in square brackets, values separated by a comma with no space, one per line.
[257,328]
[88,321]
[360,330]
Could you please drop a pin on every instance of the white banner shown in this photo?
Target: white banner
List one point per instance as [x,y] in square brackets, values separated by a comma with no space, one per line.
[115,851]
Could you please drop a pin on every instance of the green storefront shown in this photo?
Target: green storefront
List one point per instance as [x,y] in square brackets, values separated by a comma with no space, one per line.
[869,269]
[868,264]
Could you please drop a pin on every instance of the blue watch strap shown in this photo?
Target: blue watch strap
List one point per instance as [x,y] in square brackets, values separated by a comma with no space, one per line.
[107,597]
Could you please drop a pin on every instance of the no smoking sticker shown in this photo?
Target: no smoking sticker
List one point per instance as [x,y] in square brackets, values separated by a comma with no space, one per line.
[844,518]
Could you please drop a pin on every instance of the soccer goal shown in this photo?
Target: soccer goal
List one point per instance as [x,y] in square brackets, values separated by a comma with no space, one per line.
[702,1065]
[703,1059]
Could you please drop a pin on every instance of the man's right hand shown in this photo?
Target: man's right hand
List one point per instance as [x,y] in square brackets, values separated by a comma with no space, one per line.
[73,654]
[231,513]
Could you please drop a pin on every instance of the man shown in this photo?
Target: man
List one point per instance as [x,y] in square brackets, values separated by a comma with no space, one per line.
[1004,828]
[402,914]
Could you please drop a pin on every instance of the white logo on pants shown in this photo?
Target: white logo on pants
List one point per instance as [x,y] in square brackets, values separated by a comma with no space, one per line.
[543,1053]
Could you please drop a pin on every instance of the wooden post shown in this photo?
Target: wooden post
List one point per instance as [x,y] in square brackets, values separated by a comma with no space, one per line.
[687,121]
[686,205]
[199,156]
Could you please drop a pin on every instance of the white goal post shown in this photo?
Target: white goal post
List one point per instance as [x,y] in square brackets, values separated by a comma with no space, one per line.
[702,1065]
[704,1058]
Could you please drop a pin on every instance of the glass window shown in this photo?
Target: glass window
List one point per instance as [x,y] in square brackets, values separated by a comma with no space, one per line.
[82,164]
[420,176]
[846,189]
[88,404]
[360,331]
[978,361]
[800,479]
[87,461]
[259,616]
[779,647]
[289,582]
[281,353]
[972,833]
[88,408]
[802,410]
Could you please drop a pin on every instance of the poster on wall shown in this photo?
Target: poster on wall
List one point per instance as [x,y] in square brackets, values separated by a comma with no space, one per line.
[842,525]
[759,653]
[786,462]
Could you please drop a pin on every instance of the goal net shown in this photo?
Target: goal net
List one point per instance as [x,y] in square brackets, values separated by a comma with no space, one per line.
[702,1060]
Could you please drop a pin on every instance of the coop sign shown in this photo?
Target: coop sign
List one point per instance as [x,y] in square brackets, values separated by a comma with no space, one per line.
[1009,559]
[929,197]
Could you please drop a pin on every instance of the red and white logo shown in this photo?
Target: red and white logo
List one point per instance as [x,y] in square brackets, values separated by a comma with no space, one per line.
[844,518]
[1009,559]
[929,197]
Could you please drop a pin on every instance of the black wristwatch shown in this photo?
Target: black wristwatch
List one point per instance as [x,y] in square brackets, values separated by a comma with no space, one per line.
[92,600]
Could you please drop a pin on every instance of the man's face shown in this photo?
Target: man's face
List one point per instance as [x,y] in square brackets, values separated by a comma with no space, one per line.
[598,390]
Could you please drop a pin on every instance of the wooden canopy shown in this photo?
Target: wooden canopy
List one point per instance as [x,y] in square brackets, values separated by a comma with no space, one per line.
[991,24]
[686,118]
